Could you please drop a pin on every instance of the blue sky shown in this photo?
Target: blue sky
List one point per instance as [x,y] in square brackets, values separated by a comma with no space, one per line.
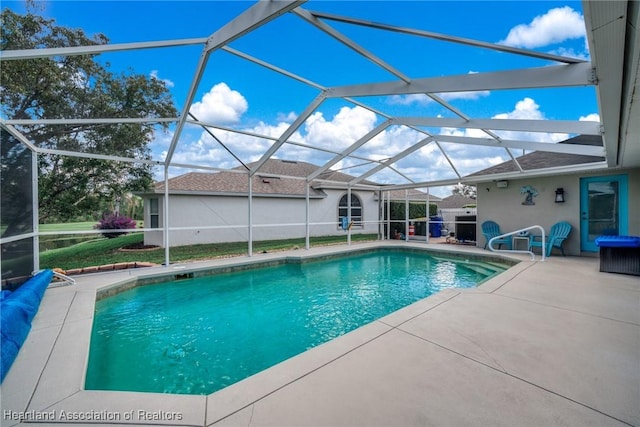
[245,96]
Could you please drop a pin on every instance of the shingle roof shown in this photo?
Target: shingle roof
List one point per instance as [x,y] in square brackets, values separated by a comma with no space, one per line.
[273,178]
[543,159]
[414,195]
[456,201]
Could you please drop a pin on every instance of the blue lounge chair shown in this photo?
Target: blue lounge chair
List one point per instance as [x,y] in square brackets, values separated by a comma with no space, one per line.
[491,229]
[559,232]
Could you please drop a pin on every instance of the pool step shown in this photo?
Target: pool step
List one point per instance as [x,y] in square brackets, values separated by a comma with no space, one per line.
[486,269]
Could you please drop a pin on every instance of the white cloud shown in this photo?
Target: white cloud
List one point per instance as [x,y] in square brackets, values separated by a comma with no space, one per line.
[555,26]
[167,82]
[450,96]
[221,105]
[287,117]
[422,99]
[528,109]
[346,127]
[417,98]
[525,109]
[593,117]
[571,53]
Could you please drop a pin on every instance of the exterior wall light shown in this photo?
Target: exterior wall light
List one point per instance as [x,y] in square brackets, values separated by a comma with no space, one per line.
[560,195]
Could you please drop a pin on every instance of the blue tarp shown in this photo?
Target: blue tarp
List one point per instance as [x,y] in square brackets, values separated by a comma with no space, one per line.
[18,308]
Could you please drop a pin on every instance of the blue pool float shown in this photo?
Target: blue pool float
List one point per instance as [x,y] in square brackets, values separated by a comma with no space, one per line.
[17,310]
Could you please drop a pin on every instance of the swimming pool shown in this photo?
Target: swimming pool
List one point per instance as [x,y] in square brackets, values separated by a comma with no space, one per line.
[197,336]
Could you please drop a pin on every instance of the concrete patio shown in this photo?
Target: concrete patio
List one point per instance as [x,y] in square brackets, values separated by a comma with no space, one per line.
[544,344]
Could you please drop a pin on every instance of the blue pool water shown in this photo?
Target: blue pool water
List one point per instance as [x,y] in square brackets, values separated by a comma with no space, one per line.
[197,336]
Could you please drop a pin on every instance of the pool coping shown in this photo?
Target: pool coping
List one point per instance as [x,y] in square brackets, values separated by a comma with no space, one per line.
[51,383]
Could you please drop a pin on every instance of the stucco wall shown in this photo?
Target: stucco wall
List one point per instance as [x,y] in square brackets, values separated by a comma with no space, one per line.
[504,205]
[231,215]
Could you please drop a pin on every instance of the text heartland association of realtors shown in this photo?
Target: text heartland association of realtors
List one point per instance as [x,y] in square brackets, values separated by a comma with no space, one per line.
[62,415]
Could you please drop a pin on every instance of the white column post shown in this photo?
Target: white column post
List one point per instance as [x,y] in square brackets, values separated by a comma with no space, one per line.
[388,215]
[250,222]
[427,217]
[35,203]
[406,215]
[165,216]
[307,243]
[349,215]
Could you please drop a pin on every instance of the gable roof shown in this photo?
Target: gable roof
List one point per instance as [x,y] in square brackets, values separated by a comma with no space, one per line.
[544,159]
[456,201]
[412,195]
[276,177]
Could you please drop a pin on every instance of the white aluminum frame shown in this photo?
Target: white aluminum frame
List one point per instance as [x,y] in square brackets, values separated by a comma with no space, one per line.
[604,72]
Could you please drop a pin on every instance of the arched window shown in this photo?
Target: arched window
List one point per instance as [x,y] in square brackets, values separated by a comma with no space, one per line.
[356,210]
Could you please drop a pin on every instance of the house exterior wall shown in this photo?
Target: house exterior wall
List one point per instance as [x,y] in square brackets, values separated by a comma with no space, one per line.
[504,205]
[230,216]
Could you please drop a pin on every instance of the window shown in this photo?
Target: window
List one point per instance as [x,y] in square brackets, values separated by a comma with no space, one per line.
[356,210]
[154,214]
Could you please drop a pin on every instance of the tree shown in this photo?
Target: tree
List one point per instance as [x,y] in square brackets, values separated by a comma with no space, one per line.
[465,190]
[79,87]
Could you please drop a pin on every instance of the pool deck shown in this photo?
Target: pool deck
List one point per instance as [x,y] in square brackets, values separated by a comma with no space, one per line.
[554,343]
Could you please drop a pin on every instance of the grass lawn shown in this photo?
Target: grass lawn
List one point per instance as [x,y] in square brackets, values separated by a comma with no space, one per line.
[69,226]
[73,226]
[107,251]
[66,238]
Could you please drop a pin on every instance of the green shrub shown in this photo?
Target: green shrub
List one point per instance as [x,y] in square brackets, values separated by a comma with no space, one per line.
[115,222]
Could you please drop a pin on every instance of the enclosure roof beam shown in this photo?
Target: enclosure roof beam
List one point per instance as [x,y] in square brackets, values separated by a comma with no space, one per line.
[350,43]
[12,55]
[448,159]
[552,126]
[543,77]
[447,38]
[476,179]
[552,147]
[112,120]
[18,135]
[254,17]
[79,154]
[272,67]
